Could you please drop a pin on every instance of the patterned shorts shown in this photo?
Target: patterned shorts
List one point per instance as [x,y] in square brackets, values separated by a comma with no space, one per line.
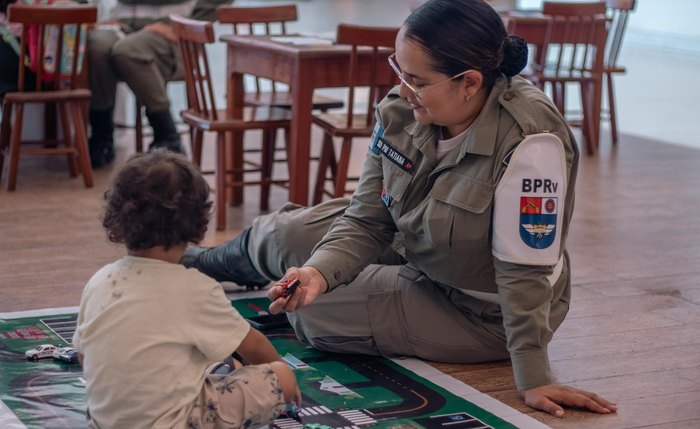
[248,397]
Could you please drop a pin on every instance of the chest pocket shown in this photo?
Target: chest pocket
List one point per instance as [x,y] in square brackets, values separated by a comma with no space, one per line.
[458,213]
[395,183]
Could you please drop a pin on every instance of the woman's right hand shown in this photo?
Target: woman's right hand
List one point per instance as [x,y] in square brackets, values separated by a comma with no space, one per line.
[312,285]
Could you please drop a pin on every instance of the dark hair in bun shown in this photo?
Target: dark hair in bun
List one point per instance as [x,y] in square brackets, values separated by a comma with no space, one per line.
[464,35]
[514,55]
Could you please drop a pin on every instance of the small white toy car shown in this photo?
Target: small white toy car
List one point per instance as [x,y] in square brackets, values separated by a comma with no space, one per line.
[42,351]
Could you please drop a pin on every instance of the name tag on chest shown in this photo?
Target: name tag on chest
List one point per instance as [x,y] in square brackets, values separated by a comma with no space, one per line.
[392,154]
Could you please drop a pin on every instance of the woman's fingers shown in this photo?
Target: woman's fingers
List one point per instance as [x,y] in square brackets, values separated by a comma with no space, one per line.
[549,398]
[294,300]
[277,305]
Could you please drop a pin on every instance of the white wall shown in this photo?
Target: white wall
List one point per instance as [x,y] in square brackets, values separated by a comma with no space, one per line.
[665,25]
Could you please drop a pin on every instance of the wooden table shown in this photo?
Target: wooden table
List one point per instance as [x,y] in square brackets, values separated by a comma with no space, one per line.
[304,68]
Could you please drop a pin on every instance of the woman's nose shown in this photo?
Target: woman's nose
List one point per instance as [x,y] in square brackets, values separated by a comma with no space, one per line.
[404,90]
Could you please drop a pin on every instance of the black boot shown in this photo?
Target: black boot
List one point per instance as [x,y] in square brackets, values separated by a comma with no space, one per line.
[164,132]
[228,262]
[101,141]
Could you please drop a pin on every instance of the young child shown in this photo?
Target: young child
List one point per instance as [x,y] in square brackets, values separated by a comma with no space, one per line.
[149,328]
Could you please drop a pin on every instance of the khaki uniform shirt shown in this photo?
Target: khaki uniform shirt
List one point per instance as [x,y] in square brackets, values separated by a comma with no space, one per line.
[443,210]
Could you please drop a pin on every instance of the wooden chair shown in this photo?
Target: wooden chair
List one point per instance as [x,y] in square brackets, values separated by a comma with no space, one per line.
[267,21]
[202,115]
[350,125]
[535,30]
[66,90]
[575,56]
[618,12]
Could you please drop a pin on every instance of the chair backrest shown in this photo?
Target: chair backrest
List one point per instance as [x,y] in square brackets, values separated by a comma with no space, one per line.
[53,42]
[379,43]
[193,37]
[535,30]
[578,35]
[263,21]
[618,12]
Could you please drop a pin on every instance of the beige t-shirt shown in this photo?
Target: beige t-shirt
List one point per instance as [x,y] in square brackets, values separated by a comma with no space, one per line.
[148,330]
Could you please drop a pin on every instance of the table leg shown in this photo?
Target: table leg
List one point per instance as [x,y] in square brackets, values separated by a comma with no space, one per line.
[300,141]
[235,94]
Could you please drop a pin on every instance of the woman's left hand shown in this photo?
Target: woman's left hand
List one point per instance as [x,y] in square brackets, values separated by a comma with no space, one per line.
[312,285]
[551,397]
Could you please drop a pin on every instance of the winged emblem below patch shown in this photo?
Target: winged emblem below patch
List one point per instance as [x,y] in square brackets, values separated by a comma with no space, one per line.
[538,221]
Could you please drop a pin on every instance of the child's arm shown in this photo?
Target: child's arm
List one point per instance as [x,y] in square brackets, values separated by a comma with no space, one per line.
[257,349]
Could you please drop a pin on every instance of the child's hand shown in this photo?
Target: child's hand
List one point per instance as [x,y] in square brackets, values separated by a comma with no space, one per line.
[297,397]
[312,285]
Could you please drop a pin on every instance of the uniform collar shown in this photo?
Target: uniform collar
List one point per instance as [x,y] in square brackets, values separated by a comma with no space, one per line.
[481,140]
[423,138]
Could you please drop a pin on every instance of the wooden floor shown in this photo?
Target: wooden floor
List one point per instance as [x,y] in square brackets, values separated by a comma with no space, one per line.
[633,332]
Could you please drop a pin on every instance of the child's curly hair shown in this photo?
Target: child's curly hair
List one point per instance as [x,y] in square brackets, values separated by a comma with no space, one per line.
[157,199]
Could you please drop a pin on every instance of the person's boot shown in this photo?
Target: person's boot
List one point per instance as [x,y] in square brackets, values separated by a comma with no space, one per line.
[101,141]
[164,132]
[228,262]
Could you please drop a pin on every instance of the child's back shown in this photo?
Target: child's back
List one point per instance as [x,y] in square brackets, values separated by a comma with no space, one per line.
[149,328]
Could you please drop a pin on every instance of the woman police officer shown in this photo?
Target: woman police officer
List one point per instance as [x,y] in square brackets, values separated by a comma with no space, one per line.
[452,248]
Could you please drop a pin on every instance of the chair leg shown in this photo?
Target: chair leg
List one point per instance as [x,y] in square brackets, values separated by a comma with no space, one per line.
[611,108]
[560,97]
[68,139]
[332,164]
[81,142]
[138,126]
[220,181]
[5,134]
[341,176]
[267,156]
[587,123]
[323,165]
[236,165]
[15,141]
[50,129]
[197,141]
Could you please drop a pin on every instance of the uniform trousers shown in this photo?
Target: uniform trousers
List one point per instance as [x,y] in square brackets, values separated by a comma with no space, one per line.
[389,309]
[146,61]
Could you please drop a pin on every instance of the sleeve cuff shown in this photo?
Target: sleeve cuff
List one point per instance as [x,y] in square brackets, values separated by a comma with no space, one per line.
[531,369]
[327,274]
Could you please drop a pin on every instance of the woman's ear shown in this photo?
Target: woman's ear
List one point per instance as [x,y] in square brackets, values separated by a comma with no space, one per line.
[471,83]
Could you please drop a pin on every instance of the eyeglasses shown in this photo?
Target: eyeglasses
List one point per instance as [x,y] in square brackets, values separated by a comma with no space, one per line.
[418,91]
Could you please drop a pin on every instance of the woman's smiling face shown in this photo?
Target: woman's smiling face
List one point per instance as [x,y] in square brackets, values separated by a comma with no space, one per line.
[446,104]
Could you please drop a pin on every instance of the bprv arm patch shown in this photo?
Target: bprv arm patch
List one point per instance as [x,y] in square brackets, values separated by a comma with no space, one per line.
[527,212]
